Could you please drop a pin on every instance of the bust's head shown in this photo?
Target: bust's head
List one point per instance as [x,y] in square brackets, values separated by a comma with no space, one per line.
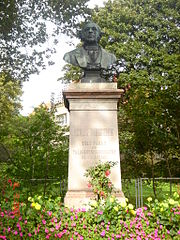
[90,33]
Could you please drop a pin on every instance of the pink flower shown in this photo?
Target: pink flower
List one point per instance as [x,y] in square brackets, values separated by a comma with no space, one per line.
[46,230]
[49,213]
[100,212]
[44,221]
[107,172]
[178,232]
[89,185]
[59,235]
[2,214]
[57,226]
[103,233]
[21,234]
[15,232]
[3,237]
[29,234]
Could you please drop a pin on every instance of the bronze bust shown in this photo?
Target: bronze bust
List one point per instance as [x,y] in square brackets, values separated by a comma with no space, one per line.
[91,57]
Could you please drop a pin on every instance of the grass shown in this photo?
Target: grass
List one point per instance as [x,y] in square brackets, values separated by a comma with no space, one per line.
[138,192]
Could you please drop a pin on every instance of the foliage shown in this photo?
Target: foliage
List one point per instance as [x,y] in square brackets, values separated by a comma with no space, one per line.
[43,218]
[37,146]
[9,99]
[47,219]
[145,39]
[99,180]
[26,25]
[71,74]
[164,188]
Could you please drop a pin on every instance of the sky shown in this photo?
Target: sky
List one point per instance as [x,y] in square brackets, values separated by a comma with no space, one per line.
[40,87]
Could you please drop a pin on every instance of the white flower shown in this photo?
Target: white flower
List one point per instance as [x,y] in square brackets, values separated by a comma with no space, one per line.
[130,206]
[30,199]
[123,204]
[116,208]
[111,199]
[93,203]
[149,199]
[37,206]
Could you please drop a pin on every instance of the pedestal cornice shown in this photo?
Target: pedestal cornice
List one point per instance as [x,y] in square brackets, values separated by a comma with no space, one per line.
[92,91]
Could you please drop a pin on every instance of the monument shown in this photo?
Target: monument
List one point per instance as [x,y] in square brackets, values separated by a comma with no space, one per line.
[92,104]
[91,57]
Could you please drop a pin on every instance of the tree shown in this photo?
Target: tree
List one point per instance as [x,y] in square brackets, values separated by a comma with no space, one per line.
[37,146]
[71,74]
[9,101]
[145,39]
[24,30]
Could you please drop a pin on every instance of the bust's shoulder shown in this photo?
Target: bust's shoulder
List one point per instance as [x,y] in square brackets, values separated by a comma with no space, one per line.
[72,56]
[75,51]
[105,52]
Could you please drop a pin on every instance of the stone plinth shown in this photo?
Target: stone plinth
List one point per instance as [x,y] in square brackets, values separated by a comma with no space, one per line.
[93,136]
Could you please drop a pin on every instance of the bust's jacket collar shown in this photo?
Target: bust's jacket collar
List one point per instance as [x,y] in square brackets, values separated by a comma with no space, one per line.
[81,57]
[105,58]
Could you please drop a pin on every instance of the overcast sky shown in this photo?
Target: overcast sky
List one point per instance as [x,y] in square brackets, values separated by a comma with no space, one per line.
[39,87]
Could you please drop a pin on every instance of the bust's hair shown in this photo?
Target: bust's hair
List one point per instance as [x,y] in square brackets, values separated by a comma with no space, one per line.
[81,33]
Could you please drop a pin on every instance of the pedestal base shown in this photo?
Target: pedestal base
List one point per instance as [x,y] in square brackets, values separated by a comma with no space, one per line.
[78,199]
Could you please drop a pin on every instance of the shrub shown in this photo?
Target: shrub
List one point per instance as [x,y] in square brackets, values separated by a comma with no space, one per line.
[99,180]
[106,219]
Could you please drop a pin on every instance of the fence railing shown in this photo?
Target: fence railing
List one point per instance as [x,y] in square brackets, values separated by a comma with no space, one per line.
[136,190]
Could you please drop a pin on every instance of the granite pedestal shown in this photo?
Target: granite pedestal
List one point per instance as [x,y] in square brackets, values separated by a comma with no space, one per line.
[93,137]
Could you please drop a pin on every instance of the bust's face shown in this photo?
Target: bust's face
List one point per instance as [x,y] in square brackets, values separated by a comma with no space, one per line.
[91,33]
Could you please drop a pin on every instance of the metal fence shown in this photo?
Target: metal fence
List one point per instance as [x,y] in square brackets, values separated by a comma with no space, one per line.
[45,187]
[136,190]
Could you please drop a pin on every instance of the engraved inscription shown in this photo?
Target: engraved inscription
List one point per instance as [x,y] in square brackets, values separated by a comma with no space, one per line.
[94,143]
[93,132]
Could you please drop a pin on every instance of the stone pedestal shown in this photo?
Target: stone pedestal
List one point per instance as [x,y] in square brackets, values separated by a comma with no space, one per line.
[93,136]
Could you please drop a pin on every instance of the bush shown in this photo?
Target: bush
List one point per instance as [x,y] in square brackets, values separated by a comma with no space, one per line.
[105,219]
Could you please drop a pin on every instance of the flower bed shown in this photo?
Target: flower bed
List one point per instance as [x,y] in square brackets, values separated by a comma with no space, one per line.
[105,219]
